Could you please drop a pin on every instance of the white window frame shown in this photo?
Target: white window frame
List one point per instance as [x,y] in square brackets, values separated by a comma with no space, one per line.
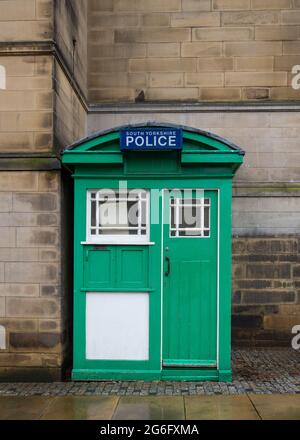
[118,239]
[200,203]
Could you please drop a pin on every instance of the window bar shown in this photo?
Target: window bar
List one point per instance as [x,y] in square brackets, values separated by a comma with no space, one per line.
[202,217]
[140,213]
[97,213]
[177,217]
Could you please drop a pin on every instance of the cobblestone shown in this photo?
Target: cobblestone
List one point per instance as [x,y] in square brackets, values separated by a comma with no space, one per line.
[258,371]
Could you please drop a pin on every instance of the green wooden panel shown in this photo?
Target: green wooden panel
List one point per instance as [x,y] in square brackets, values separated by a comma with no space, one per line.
[190,295]
[98,267]
[132,267]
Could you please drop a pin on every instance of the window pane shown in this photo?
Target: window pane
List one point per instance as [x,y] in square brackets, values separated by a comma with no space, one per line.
[189,217]
[118,213]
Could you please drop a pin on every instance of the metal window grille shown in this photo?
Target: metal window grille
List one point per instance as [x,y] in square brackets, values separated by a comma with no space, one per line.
[189,217]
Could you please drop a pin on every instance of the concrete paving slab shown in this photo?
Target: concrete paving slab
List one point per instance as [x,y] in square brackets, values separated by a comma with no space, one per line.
[277,406]
[219,408]
[23,408]
[81,408]
[150,408]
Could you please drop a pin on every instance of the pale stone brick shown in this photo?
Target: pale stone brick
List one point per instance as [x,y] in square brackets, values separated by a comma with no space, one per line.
[7,237]
[145,5]
[19,290]
[18,66]
[110,65]
[2,307]
[250,17]
[18,181]
[103,5]
[29,83]
[15,142]
[211,79]
[19,324]
[196,5]
[155,35]
[296,3]
[18,254]
[271,4]
[34,237]
[114,94]
[290,17]
[48,255]
[215,64]
[190,19]
[104,36]
[201,49]
[178,94]
[220,94]
[156,20]
[28,219]
[25,30]
[284,93]
[49,325]
[163,65]
[48,181]
[32,308]
[254,64]
[16,100]
[1,273]
[118,79]
[112,20]
[118,51]
[5,201]
[253,48]
[44,9]
[291,47]
[223,34]
[156,50]
[286,62]
[166,79]
[269,33]
[43,202]
[12,10]
[254,93]
[223,5]
[30,272]
[255,79]
[43,65]
[44,100]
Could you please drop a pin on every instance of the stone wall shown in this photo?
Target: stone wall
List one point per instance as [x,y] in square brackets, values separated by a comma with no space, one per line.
[42,110]
[192,50]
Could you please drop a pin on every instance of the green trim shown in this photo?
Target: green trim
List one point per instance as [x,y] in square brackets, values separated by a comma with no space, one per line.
[195,363]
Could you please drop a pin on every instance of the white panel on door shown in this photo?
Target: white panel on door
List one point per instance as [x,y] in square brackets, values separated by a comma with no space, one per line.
[117,326]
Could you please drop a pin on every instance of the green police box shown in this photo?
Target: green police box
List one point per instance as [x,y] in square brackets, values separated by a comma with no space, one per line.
[152,253]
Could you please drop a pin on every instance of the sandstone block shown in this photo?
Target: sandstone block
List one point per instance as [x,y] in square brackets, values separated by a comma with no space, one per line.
[18,181]
[223,5]
[7,237]
[32,308]
[169,50]
[220,94]
[156,20]
[223,34]
[39,202]
[271,4]
[13,10]
[31,273]
[163,65]
[5,201]
[175,93]
[211,79]
[196,5]
[35,237]
[250,17]
[269,33]
[152,35]
[255,79]
[215,64]
[19,290]
[253,48]
[249,64]
[166,79]
[118,50]
[207,49]
[18,254]
[35,342]
[190,19]
[145,5]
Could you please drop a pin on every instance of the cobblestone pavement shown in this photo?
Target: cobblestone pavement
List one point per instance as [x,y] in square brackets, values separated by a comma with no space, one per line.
[259,371]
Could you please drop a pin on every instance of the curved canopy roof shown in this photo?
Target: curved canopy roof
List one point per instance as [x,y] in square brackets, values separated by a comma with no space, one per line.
[102,147]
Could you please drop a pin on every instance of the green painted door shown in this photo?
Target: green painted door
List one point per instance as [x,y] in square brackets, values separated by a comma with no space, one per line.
[190,242]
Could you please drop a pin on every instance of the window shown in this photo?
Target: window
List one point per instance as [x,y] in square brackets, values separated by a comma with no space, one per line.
[189,217]
[118,216]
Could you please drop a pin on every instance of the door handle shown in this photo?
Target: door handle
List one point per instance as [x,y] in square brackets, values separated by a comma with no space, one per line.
[167,273]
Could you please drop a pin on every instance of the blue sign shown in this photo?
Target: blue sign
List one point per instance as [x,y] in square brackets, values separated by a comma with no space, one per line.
[151,139]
